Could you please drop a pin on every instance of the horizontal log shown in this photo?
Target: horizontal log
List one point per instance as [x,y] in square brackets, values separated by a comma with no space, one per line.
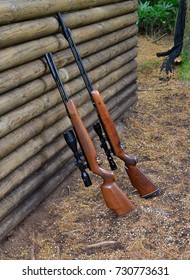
[34,29]
[21,32]
[23,53]
[29,9]
[30,166]
[92,15]
[30,71]
[28,111]
[31,90]
[30,185]
[29,130]
[21,115]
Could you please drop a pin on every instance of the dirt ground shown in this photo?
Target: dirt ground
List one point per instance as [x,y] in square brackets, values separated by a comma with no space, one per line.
[74,223]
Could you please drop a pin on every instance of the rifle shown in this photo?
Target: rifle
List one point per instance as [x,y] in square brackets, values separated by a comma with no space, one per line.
[112,194]
[144,186]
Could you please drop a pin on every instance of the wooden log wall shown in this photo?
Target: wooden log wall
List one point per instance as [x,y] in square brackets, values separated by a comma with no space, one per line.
[32,117]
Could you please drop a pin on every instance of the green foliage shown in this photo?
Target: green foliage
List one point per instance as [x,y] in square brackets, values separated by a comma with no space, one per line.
[184,72]
[175,3]
[157,17]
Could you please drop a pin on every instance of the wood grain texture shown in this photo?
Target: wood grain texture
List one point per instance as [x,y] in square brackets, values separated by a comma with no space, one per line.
[37,87]
[43,27]
[13,11]
[30,71]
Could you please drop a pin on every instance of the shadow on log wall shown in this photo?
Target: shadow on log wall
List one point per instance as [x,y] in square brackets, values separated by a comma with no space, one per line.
[33,151]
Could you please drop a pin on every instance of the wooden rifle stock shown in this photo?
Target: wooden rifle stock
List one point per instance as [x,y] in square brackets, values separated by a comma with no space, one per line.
[112,194]
[139,181]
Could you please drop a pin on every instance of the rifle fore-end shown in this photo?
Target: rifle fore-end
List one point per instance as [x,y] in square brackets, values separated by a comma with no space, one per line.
[87,144]
[139,181]
[109,128]
[113,196]
[83,137]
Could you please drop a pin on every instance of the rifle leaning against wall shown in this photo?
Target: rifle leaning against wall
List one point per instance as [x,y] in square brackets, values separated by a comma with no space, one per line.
[144,186]
[112,194]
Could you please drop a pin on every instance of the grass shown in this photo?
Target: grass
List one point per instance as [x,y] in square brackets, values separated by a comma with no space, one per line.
[151,64]
[184,72]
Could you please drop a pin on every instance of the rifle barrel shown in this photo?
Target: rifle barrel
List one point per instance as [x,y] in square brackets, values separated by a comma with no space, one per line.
[56,76]
[68,36]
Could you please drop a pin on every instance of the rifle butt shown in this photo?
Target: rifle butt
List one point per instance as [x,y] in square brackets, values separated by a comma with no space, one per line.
[144,185]
[138,180]
[116,200]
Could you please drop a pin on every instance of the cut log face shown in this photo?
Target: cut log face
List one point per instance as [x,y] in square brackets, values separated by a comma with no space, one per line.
[32,117]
